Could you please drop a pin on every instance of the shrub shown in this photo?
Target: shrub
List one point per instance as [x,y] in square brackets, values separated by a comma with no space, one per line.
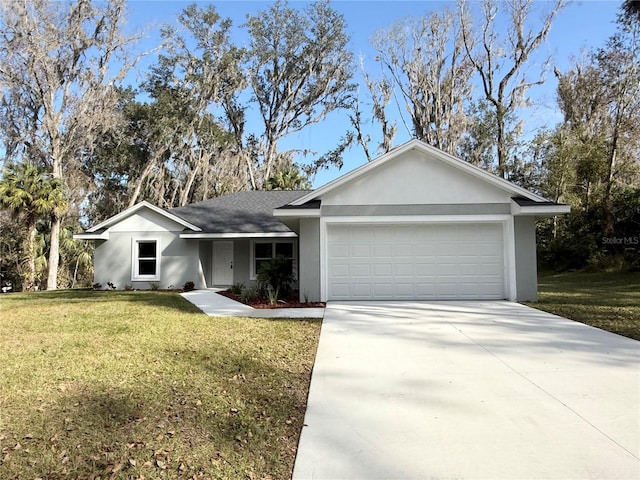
[277,273]
[189,286]
[236,288]
[128,287]
[249,294]
[154,286]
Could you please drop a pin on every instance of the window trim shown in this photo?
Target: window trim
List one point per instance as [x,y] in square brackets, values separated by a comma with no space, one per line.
[135,275]
[253,275]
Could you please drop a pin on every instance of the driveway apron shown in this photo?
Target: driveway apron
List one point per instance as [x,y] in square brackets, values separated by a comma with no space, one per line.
[469,390]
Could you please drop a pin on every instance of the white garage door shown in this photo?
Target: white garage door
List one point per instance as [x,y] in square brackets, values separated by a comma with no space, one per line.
[424,262]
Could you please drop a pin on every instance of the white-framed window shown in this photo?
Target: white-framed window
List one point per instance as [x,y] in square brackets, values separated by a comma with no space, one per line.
[264,250]
[145,259]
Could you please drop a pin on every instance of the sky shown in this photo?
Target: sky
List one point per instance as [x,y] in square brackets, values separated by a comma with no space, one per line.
[581,26]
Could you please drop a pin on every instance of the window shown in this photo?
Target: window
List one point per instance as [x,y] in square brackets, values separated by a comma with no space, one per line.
[263,251]
[145,262]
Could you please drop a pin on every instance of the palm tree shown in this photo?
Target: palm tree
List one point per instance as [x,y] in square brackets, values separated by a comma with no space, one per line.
[288,178]
[30,195]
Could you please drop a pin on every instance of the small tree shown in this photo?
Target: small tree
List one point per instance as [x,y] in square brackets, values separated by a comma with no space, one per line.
[30,195]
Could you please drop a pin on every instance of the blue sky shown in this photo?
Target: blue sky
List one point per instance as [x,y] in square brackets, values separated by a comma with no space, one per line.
[582,25]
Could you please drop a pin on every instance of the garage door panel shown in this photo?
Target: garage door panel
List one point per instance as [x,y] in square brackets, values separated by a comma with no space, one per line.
[362,290]
[403,270]
[382,250]
[339,250]
[383,289]
[360,251]
[427,261]
[361,270]
[403,250]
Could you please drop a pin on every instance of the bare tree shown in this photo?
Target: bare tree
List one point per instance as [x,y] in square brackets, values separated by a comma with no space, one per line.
[59,63]
[501,62]
[380,93]
[299,72]
[425,58]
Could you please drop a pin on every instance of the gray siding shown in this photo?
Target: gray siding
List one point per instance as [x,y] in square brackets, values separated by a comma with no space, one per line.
[180,260]
[526,267]
[241,260]
[309,270]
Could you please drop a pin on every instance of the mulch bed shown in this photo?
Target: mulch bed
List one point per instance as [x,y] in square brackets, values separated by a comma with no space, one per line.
[263,302]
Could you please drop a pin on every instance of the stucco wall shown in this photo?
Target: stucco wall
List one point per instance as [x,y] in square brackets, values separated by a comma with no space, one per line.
[414,178]
[206,260]
[179,261]
[526,267]
[309,270]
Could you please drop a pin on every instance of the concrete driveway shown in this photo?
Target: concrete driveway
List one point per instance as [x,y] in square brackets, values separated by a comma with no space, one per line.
[473,390]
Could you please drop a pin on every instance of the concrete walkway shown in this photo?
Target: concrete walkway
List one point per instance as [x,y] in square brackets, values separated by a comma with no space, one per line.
[214,304]
[469,390]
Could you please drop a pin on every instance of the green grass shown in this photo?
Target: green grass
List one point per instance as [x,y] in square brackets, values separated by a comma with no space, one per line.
[143,385]
[606,300]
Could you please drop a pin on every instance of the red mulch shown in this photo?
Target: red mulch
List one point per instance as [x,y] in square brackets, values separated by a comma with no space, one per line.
[263,302]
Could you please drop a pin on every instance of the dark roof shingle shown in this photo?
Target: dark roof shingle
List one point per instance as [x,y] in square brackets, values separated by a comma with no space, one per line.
[240,212]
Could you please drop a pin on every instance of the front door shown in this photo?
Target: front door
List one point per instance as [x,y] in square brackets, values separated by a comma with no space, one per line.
[223,263]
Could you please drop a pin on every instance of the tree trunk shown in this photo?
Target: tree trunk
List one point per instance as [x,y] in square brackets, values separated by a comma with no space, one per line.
[184,196]
[608,202]
[502,148]
[54,253]
[30,277]
[56,221]
[138,185]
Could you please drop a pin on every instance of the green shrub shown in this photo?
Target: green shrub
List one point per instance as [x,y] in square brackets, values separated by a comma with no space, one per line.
[189,286]
[249,294]
[236,288]
[154,286]
[277,273]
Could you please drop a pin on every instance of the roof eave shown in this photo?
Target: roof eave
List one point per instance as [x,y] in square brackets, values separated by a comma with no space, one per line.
[205,235]
[296,213]
[92,236]
[138,206]
[540,210]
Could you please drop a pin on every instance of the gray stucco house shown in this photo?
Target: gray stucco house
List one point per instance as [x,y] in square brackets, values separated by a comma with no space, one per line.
[414,224]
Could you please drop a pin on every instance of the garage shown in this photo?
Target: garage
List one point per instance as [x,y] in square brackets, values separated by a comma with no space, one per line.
[445,261]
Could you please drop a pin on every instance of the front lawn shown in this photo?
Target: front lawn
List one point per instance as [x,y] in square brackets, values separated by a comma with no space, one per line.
[143,385]
[606,300]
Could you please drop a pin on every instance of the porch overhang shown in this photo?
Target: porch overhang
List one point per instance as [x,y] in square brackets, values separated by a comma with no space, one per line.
[231,235]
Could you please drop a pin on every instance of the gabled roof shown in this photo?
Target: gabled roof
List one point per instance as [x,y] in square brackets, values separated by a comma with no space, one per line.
[242,213]
[132,210]
[418,145]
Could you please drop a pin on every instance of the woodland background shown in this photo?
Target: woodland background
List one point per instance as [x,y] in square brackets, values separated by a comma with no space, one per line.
[79,143]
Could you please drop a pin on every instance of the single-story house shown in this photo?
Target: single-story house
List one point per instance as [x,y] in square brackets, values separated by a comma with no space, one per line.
[414,224]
